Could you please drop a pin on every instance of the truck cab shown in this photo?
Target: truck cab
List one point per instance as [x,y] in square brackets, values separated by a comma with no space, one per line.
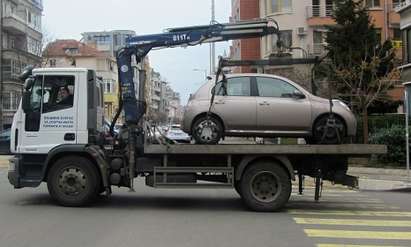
[60,107]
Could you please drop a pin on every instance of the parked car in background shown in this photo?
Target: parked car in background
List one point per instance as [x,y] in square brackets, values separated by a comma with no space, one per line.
[5,141]
[175,133]
[264,106]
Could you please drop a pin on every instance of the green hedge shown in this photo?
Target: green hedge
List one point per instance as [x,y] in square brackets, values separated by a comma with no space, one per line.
[377,122]
[394,138]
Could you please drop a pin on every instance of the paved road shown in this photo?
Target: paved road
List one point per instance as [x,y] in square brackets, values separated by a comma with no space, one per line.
[204,218]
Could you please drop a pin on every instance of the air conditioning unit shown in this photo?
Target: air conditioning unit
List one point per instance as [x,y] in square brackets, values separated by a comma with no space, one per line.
[301,31]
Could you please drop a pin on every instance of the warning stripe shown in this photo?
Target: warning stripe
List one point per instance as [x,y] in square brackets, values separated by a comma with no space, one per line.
[352,213]
[320,233]
[353,222]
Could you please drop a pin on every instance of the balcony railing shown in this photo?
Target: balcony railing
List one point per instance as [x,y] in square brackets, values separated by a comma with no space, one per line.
[319,49]
[402,4]
[320,11]
[20,21]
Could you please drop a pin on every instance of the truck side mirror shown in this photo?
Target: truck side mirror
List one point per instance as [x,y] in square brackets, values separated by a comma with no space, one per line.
[25,101]
[28,83]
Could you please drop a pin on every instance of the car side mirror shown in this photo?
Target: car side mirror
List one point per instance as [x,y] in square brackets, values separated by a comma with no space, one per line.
[298,95]
[25,101]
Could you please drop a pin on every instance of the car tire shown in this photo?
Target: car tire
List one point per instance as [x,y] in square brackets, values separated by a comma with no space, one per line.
[207,130]
[265,187]
[73,181]
[331,137]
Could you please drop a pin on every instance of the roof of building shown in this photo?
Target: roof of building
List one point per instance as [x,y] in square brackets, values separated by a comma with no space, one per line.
[72,48]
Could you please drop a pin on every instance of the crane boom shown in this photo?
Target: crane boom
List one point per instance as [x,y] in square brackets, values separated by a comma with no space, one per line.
[140,46]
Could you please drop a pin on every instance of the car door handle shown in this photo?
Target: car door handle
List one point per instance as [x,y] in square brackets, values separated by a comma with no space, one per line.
[264,103]
[220,102]
[69,137]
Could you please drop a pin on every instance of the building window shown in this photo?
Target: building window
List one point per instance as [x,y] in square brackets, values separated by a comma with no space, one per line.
[52,62]
[11,100]
[379,35]
[280,6]
[396,34]
[286,40]
[373,3]
[408,46]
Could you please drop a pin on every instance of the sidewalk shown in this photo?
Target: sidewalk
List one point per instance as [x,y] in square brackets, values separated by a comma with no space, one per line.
[380,178]
[4,161]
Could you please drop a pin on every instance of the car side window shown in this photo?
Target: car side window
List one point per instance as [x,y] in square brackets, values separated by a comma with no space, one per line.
[237,86]
[273,87]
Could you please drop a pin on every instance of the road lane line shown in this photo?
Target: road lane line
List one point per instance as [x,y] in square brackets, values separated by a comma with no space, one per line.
[319,233]
[353,222]
[351,213]
[353,245]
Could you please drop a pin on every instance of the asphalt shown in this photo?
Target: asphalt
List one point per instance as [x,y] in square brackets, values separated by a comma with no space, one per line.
[151,217]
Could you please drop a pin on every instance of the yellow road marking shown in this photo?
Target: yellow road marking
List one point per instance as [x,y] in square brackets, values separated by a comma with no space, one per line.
[352,213]
[333,195]
[353,222]
[317,233]
[352,245]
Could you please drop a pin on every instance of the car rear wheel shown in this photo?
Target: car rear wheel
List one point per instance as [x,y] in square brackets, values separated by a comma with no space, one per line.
[207,130]
[325,133]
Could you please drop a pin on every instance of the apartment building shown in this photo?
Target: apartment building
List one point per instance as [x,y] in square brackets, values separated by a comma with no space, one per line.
[303,25]
[72,53]
[404,10]
[107,41]
[248,48]
[21,41]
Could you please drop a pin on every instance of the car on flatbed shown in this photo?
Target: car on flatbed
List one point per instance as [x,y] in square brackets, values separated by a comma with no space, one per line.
[264,105]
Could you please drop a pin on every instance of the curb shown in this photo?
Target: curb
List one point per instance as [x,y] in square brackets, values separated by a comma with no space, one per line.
[366,184]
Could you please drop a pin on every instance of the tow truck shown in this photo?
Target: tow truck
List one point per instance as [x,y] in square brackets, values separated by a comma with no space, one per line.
[63,144]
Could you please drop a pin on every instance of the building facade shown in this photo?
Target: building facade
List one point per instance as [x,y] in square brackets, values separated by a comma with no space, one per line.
[405,25]
[107,41]
[20,46]
[303,28]
[72,53]
[247,49]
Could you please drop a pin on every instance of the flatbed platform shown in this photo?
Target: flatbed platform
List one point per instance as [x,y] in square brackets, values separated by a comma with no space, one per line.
[342,149]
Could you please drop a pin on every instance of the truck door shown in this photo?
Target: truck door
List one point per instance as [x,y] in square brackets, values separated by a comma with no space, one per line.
[51,119]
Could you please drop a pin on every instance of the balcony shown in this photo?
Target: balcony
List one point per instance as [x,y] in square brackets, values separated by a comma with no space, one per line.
[320,15]
[404,4]
[319,49]
[19,26]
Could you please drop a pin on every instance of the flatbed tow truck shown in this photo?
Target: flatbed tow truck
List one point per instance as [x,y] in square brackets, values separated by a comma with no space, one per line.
[62,142]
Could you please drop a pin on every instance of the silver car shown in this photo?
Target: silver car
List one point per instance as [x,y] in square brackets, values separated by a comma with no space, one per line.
[264,106]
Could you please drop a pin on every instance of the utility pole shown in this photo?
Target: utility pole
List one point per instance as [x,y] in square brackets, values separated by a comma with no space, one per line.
[212,45]
[1,65]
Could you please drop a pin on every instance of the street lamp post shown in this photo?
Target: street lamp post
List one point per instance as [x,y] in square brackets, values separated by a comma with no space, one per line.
[407,109]
[212,45]
[1,64]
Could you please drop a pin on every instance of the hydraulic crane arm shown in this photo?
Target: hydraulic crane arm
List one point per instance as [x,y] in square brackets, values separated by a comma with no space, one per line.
[140,46]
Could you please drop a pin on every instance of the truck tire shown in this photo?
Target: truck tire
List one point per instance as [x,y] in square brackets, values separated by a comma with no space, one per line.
[237,187]
[265,187]
[73,181]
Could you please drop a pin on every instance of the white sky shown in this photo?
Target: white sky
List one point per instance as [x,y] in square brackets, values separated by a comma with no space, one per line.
[68,19]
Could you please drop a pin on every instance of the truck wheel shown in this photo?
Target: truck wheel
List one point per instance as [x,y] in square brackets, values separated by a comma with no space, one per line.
[73,181]
[237,187]
[207,130]
[265,187]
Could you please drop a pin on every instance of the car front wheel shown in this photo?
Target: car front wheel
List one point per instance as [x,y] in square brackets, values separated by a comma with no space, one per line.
[207,130]
[329,130]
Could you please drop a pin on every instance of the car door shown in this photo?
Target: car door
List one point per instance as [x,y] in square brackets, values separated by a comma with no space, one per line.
[235,104]
[51,120]
[279,108]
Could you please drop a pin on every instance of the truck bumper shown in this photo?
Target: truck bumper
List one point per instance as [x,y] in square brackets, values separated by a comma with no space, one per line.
[15,176]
